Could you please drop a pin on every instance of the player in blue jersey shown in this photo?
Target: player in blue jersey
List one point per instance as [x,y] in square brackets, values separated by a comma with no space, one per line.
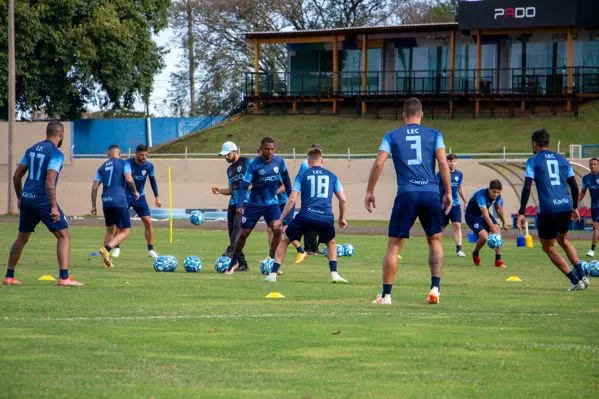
[115,177]
[235,173]
[590,182]
[263,174]
[553,175]
[317,187]
[310,237]
[482,222]
[414,149]
[457,192]
[282,198]
[37,202]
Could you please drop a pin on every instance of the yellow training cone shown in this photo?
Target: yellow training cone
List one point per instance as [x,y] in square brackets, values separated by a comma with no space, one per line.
[46,277]
[513,279]
[275,295]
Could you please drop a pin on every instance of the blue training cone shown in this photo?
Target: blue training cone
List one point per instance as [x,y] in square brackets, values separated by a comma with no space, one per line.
[472,238]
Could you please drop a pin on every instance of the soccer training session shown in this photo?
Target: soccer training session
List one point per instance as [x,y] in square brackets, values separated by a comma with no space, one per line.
[299,199]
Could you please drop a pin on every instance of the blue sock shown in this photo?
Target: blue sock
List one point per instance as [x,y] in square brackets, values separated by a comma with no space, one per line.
[118,246]
[497,256]
[108,247]
[474,253]
[593,247]
[573,279]
[150,247]
[300,249]
[579,270]
[458,248]
[10,273]
[234,260]
[387,289]
[275,267]
[333,265]
[436,282]
[64,273]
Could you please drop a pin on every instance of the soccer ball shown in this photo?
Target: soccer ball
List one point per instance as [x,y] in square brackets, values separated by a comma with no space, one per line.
[196,218]
[494,241]
[340,251]
[325,251]
[192,264]
[594,268]
[348,249]
[165,263]
[585,267]
[222,264]
[266,265]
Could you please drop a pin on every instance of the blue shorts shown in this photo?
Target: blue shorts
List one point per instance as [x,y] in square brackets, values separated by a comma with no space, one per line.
[549,225]
[301,224]
[31,215]
[426,206]
[140,206]
[117,216]
[289,217]
[478,224]
[455,215]
[252,213]
[595,215]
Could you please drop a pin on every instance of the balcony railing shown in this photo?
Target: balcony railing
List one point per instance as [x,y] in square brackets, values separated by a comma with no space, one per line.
[510,81]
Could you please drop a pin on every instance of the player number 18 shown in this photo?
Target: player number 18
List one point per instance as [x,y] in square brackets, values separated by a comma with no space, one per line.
[319,187]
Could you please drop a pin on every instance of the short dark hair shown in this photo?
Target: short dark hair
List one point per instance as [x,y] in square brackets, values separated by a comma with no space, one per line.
[593,159]
[316,146]
[314,152]
[412,107]
[541,138]
[113,146]
[267,140]
[54,128]
[452,157]
[141,148]
[495,185]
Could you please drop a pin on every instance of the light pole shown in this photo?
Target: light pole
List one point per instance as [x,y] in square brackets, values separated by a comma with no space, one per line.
[10,208]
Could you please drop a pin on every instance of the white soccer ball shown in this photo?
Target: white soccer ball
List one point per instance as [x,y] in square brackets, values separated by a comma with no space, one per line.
[348,250]
[494,241]
[196,218]
[340,251]
[165,263]
[266,266]
[222,264]
[192,264]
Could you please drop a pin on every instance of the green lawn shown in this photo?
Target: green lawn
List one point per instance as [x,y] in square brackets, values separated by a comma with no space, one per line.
[363,135]
[131,332]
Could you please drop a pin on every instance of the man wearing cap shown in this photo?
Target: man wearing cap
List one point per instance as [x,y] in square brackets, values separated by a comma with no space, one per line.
[235,173]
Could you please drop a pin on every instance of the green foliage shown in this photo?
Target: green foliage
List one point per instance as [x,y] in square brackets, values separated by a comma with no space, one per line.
[73,52]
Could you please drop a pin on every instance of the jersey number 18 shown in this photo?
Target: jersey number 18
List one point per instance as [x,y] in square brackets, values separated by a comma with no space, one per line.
[319,187]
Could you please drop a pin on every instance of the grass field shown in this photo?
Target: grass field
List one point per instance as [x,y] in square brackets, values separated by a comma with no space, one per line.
[363,135]
[131,332]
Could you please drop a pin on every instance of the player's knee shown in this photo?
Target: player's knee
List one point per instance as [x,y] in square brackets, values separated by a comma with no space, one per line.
[63,234]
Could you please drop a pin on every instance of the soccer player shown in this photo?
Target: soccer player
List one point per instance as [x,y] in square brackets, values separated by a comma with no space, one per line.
[37,203]
[413,148]
[481,222]
[591,182]
[283,197]
[552,173]
[457,192]
[317,186]
[264,174]
[235,173]
[141,169]
[115,177]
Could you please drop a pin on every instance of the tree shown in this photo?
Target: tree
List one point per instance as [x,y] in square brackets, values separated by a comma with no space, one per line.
[223,55]
[71,53]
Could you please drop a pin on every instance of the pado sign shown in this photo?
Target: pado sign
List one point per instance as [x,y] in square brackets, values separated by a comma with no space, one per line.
[516,12]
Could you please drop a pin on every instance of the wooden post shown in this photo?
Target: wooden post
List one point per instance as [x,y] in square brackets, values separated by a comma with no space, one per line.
[451,70]
[570,67]
[257,72]
[479,54]
[364,70]
[335,74]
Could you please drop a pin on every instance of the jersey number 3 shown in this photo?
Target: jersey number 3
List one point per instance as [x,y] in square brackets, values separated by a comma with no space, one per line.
[416,145]
[319,186]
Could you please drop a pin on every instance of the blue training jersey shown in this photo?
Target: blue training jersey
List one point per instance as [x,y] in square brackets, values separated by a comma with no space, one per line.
[550,171]
[591,183]
[38,159]
[235,174]
[264,178]
[112,176]
[140,173]
[412,148]
[304,166]
[456,181]
[481,199]
[317,186]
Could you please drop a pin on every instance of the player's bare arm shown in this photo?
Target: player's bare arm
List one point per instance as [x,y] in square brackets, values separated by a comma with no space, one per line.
[288,208]
[342,208]
[499,210]
[131,185]
[17,180]
[51,177]
[462,195]
[494,228]
[95,187]
[575,197]
[375,174]
[223,191]
[445,178]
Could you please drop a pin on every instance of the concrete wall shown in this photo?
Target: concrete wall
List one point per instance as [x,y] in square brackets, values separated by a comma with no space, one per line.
[192,180]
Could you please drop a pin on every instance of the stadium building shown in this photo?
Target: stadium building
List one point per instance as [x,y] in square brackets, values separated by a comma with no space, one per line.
[500,56]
